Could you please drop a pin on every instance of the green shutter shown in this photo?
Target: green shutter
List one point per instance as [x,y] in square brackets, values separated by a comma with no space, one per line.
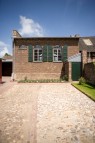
[50,54]
[30,53]
[64,53]
[45,53]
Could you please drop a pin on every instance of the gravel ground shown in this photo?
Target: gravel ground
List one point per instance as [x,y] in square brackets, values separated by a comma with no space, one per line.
[64,115]
[18,108]
[45,113]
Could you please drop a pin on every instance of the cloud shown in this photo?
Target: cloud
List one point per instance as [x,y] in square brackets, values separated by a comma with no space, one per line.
[3,49]
[30,28]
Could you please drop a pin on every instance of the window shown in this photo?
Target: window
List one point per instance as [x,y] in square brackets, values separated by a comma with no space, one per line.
[37,53]
[88,42]
[57,55]
[88,55]
[92,54]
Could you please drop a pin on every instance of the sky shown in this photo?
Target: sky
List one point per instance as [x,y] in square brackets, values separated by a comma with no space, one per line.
[45,18]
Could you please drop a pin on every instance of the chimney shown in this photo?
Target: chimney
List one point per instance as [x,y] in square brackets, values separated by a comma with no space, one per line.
[77,35]
[15,34]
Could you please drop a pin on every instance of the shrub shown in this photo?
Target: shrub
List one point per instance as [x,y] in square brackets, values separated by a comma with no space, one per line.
[82,80]
[25,78]
[65,77]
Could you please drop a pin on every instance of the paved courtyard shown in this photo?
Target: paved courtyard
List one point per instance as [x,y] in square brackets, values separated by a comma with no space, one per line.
[45,113]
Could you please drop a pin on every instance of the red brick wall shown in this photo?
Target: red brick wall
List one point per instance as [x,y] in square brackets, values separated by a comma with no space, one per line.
[72,50]
[34,70]
[0,70]
[89,72]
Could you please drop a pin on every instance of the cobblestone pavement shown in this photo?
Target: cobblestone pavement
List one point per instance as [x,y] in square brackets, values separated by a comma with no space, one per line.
[46,113]
[64,115]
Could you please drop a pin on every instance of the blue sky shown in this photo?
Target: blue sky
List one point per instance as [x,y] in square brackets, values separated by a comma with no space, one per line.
[45,18]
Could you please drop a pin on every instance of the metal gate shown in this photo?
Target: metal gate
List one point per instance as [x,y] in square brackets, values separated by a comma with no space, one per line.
[76,70]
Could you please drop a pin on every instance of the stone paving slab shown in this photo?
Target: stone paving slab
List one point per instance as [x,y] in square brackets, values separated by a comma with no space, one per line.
[64,115]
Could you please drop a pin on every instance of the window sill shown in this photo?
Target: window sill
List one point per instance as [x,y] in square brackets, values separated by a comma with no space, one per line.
[37,61]
[57,61]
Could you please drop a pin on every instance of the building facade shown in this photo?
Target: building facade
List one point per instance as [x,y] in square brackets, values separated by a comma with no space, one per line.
[43,57]
[51,57]
[87,48]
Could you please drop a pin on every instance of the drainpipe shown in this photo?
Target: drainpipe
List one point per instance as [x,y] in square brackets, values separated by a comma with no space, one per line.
[13,64]
[89,58]
[0,70]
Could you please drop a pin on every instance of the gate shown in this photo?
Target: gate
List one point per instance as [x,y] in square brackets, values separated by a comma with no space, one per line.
[76,70]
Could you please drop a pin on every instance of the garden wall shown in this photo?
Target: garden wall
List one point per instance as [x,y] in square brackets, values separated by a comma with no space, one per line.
[89,72]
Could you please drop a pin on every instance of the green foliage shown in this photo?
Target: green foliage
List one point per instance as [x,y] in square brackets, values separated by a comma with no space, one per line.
[65,77]
[94,63]
[6,54]
[82,80]
[25,78]
[41,81]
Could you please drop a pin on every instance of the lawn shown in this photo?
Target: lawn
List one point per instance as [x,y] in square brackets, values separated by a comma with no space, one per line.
[87,89]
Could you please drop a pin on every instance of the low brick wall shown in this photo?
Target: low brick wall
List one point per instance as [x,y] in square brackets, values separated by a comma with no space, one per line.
[89,72]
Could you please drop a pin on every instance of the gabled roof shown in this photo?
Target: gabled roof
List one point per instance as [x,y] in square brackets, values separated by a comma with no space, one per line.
[87,43]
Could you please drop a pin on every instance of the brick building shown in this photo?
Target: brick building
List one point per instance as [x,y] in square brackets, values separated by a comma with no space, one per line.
[7,65]
[43,57]
[50,57]
[87,48]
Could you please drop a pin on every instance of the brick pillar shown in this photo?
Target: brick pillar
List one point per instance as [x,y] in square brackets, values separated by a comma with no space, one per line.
[0,70]
[70,71]
[84,57]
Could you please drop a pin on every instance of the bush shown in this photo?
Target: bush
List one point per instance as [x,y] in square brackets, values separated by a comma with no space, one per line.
[65,77]
[82,80]
[25,78]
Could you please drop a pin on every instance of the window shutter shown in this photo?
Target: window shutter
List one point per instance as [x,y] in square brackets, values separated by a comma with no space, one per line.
[50,54]
[45,53]
[30,53]
[64,53]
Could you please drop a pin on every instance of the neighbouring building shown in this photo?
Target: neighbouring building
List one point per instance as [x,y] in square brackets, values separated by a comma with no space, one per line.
[87,48]
[51,57]
[7,61]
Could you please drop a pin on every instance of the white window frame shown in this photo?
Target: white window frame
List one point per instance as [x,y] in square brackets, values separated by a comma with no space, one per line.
[57,48]
[39,58]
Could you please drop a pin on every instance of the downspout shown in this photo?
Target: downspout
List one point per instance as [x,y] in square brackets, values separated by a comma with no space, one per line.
[13,64]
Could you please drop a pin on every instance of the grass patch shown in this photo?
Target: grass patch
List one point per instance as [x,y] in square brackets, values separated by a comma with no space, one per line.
[87,89]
